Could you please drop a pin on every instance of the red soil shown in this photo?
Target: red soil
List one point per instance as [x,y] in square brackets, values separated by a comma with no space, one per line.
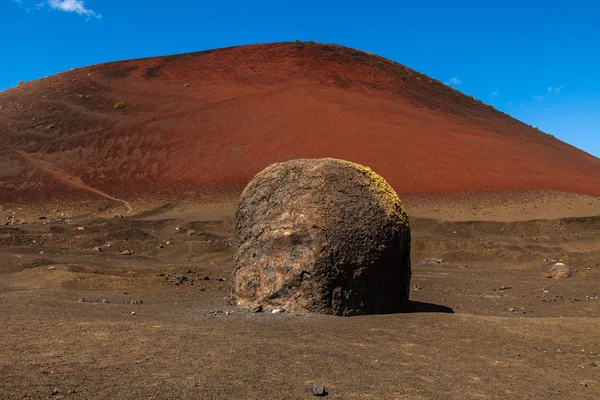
[247,107]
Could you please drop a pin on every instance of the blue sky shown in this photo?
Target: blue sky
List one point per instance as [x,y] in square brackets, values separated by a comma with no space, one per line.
[536,60]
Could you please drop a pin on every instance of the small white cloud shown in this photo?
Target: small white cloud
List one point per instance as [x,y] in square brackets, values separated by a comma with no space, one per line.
[538,98]
[454,81]
[75,6]
[554,89]
[495,93]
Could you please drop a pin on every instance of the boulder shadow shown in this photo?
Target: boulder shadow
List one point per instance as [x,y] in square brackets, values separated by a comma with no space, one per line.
[422,307]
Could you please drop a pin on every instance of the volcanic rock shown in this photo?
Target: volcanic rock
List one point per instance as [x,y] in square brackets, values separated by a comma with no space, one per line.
[318,389]
[321,235]
[560,271]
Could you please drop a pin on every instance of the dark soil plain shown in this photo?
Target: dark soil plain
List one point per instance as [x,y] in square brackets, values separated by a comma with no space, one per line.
[116,256]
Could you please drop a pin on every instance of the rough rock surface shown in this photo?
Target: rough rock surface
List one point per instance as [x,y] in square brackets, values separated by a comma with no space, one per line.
[560,271]
[321,235]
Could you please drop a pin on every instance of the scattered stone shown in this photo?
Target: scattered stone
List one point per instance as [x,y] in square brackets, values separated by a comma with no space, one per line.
[133,313]
[80,228]
[118,215]
[454,233]
[105,301]
[512,309]
[505,288]
[188,271]
[277,311]
[321,235]
[220,279]
[160,246]
[255,308]
[178,229]
[318,389]
[126,252]
[98,249]
[82,300]
[125,292]
[202,289]
[51,268]
[190,232]
[136,302]
[178,279]
[168,242]
[595,364]
[559,271]
[42,217]
[205,278]
[54,392]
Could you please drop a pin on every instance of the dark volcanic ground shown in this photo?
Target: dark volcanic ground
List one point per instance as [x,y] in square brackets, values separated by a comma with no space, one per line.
[485,321]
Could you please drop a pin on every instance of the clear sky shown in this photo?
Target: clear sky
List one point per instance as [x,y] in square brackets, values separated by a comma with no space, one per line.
[536,60]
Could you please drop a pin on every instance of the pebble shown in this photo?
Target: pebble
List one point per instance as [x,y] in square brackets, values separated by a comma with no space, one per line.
[318,389]
[277,310]
[126,252]
[255,308]
[133,313]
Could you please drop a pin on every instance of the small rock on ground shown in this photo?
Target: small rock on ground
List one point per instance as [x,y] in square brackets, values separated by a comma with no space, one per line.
[318,389]
[559,271]
[255,308]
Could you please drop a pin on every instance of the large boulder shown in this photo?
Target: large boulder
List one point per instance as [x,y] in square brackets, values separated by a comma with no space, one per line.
[321,235]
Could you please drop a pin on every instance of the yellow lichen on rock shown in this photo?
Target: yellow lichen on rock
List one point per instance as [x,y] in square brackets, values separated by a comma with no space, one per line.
[387,195]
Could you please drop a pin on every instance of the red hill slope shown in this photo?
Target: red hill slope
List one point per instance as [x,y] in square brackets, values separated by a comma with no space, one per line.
[205,123]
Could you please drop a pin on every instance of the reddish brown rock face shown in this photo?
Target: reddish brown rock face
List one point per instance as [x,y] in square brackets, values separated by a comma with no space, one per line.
[321,235]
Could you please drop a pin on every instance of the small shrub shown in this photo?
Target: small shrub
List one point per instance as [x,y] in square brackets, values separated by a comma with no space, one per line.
[311,42]
[21,83]
[187,85]
[119,104]
[297,41]
[50,126]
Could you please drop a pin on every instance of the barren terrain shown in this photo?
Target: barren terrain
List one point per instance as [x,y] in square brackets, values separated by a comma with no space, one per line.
[117,226]
[484,321]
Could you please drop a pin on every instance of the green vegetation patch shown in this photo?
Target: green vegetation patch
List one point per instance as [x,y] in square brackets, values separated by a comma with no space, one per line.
[119,104]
